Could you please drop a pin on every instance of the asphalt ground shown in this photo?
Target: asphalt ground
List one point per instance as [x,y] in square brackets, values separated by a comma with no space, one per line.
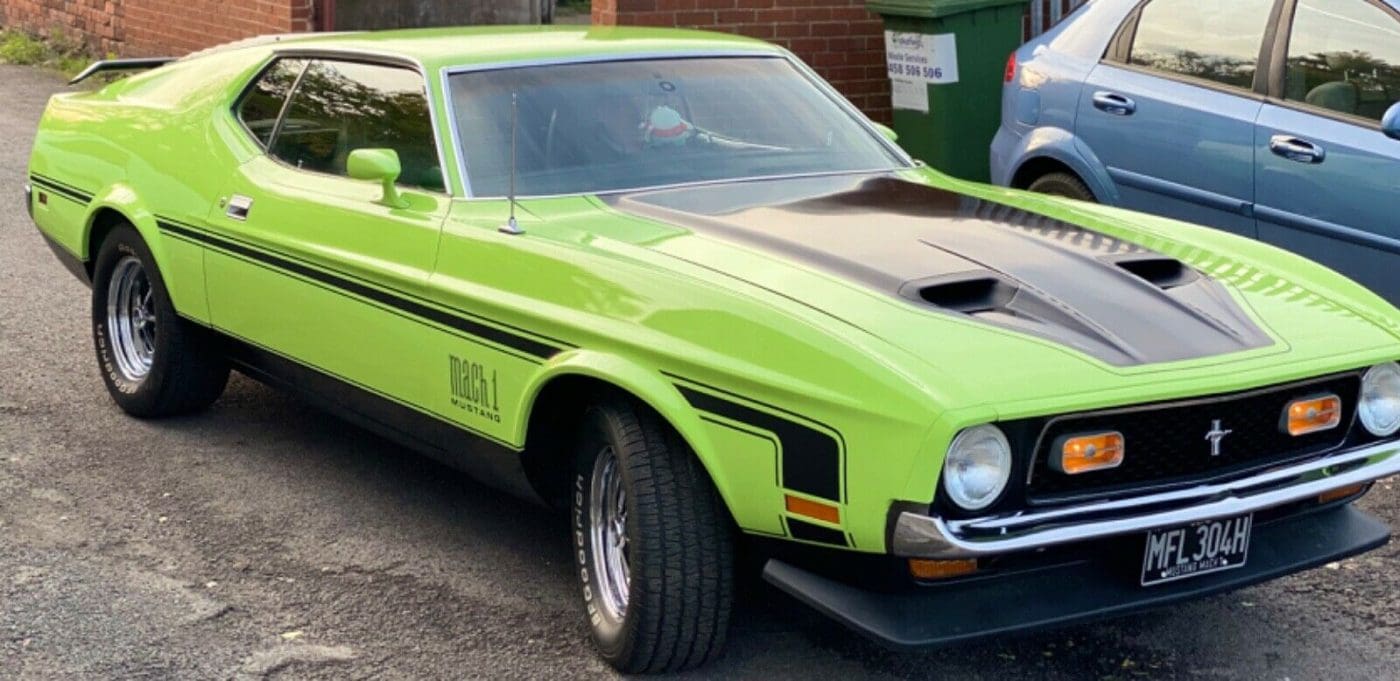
[264,539]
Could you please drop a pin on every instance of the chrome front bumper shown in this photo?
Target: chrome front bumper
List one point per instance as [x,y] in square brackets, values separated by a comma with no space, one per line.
[926,536]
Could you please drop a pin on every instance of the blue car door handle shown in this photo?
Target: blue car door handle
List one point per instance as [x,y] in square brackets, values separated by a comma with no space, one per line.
[1295,149]
[1114,103]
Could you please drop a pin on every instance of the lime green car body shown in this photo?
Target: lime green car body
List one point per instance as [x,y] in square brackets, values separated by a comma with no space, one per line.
[433,308]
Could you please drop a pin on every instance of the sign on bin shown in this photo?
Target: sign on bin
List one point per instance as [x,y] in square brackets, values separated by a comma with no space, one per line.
[922,57]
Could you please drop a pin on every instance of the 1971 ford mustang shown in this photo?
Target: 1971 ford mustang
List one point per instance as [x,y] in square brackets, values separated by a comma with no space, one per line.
[673,282]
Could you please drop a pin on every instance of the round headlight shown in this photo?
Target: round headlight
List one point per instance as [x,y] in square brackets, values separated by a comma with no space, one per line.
[1380,399]
[977,467]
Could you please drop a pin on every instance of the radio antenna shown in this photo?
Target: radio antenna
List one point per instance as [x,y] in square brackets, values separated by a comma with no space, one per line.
[511,227]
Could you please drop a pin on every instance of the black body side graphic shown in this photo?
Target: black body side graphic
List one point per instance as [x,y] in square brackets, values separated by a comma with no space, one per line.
[956,254]
[800,529]
[811,460]
[529,347]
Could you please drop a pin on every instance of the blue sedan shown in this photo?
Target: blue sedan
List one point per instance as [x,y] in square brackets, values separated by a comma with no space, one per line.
[1276,119]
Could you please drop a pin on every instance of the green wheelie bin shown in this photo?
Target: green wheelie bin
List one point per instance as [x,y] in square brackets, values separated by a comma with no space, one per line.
[947,59]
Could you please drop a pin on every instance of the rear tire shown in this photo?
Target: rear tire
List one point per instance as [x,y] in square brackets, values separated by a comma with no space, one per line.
[653,543]
[1062,184]
[153,362]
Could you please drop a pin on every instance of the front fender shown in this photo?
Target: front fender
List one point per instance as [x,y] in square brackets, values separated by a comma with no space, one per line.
[646,384]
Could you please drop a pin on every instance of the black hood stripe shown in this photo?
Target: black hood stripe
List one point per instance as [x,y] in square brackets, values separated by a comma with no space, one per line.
[1001,265]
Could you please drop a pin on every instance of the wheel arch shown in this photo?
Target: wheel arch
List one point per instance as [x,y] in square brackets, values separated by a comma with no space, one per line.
[119,204]
[562,393]
[1047,150]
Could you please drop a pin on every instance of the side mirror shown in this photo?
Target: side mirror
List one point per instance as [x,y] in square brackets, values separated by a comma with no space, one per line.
[1390,122]
[886,131]
[378,165]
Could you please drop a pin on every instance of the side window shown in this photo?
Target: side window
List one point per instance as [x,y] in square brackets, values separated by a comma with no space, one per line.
[343,106]
[262,103]
[1215,41]
[1344,55]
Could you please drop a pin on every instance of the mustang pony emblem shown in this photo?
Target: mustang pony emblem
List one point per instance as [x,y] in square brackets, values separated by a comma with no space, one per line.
[1215,435]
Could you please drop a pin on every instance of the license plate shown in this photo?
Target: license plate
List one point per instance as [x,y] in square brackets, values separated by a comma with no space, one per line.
[1196,549]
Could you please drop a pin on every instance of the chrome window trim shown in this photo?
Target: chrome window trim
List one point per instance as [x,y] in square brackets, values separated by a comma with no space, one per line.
[917,535]
[802,69]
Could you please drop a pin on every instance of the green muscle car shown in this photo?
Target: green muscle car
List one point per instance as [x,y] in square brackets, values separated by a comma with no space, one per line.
[674,283]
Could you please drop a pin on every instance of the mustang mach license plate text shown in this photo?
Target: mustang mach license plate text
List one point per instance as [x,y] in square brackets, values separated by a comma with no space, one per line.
[1197,549]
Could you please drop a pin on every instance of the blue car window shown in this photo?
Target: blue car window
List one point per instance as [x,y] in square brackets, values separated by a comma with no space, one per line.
[1212,41]
[1344,55]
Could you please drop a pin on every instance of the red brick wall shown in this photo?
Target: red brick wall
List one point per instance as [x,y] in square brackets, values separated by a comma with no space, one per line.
[842,40]
[175,27]
[95,22]
[157,27]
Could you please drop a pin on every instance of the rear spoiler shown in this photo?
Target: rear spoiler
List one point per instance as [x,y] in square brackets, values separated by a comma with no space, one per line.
[120,65]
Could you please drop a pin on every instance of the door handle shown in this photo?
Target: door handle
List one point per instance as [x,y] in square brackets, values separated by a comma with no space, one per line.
[1114,103]
[1295,149]
[238,207]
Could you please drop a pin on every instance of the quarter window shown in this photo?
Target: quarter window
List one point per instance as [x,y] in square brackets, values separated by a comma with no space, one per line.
[1215,41]
[1344,55]
[342,106]
[262,103]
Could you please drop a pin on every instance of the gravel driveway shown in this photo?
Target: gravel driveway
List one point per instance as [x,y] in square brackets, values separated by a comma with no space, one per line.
[265,539]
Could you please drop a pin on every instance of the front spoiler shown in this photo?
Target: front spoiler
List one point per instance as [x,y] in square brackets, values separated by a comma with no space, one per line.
[1064,594]
[928,536]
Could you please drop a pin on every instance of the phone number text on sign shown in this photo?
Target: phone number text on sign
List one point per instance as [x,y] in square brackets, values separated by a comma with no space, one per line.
[918,56]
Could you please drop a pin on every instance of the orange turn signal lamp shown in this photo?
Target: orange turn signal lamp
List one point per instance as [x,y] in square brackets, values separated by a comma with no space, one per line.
[1092,452]
[813,509]
[920,568]
[1312,414]
[1341,493]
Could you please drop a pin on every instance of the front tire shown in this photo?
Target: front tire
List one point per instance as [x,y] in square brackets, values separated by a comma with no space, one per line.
[653,543]
[153,362]
[1062,184]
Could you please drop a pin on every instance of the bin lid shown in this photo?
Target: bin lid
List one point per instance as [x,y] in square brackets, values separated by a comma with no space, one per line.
[933,9]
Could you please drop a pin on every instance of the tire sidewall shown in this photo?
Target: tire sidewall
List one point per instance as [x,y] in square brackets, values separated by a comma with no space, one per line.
[1059,184]
[613,637]
[139,396]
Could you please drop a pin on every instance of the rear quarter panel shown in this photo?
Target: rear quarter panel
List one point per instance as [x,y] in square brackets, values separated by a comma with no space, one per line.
[137,146]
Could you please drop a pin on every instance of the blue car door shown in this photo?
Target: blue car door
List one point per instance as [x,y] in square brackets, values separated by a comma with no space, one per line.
[1328,178]
[1170,109]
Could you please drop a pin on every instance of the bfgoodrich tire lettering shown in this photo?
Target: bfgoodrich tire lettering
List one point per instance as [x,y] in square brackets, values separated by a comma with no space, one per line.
[153,362]
[678,540]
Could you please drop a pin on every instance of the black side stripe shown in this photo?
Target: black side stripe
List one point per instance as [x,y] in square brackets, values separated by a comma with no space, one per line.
[811,458]
[526,345]
[66,191]
[801,529]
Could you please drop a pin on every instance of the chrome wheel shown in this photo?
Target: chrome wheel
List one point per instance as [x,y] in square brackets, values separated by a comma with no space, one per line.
[131,319]
[608,524]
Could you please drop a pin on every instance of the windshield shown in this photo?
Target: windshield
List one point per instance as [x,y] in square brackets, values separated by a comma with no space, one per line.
[607,126]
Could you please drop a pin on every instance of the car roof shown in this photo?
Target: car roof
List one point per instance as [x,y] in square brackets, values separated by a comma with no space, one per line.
[462,46]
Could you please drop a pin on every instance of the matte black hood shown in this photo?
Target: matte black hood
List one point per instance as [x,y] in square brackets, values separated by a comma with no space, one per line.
[955,254]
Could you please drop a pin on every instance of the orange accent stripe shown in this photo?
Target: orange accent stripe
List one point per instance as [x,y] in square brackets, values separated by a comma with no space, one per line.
[813,509]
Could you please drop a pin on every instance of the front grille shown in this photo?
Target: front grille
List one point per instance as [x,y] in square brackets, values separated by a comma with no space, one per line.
[1166,443]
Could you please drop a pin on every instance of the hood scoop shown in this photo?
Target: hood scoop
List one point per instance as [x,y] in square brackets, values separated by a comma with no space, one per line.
[993,298]
[1164,273]
[981,260]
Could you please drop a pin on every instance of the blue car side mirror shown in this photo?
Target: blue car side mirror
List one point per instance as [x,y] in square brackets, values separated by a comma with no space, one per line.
[1390,122]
